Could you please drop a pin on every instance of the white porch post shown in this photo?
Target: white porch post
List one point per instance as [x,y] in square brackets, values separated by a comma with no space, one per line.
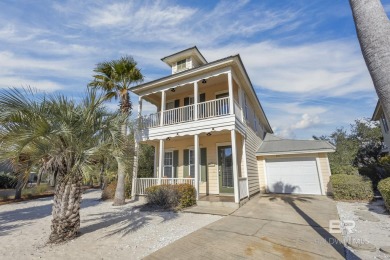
[196,96]
[163,102]
[240,96]
[161,161]
[197,161]
[244,161]
[235,167]
[231,94]
[139,106]
[155,173]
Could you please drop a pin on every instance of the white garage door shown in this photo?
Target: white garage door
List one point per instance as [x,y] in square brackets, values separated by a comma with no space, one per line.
[294,175]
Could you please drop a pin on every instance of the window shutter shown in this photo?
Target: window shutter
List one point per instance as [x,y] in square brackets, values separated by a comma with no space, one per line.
[202,97]
[186,170]
[177,103]
[203,164]
[175,163]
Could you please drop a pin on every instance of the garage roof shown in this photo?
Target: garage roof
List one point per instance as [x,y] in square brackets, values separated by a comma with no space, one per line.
[273,145]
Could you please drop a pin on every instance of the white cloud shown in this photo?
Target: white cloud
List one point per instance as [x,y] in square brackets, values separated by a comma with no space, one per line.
[40,85]
[329,68]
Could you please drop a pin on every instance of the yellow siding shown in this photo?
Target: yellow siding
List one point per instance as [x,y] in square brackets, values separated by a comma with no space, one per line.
[325,170]
[262,180]
[209,142]
[252,144]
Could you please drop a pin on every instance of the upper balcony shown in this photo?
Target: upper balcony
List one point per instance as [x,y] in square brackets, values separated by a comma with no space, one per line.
[203,106]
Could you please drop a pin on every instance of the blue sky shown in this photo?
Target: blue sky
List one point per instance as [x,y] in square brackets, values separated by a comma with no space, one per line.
[303,56]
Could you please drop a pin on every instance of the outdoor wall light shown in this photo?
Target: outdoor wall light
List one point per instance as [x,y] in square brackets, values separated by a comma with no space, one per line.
[204,81]
[173,90]
[208,134]
[168,138]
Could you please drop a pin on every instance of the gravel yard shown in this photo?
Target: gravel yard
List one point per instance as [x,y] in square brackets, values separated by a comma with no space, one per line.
[107,232]
[371,234]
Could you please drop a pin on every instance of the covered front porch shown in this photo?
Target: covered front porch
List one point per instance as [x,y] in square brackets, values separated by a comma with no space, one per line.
[214,163]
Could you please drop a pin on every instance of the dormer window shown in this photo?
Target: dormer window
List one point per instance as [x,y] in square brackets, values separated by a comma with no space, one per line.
[181,65]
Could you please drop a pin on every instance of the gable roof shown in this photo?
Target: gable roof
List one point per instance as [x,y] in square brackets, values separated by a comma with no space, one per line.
[377,112]
[273,145]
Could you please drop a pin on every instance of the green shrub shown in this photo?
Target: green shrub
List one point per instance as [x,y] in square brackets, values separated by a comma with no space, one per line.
[344,169]
[384,189]
[171,196]
[109,191]
[37,190]
[7,181]
[351,187]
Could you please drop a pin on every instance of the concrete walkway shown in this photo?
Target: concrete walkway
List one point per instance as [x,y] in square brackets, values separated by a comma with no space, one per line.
[267,227]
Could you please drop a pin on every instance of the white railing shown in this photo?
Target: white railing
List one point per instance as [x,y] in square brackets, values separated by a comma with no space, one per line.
[178,115]
[208,109]
[213,108]
[243,187]
[144,183]
[152,120]
[237,111]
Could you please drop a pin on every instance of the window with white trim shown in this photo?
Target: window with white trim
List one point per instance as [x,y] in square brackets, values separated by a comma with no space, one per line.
[191,162]
[168,164]
[181,65]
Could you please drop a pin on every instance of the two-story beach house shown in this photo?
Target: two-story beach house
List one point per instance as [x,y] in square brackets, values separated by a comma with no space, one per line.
[211,131]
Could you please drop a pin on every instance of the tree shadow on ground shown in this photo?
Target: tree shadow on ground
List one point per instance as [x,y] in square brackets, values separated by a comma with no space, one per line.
[127,220]
[13,219]
[293,201]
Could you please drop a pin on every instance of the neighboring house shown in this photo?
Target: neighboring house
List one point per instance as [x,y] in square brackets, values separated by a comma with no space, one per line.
[380,116]
[211,131]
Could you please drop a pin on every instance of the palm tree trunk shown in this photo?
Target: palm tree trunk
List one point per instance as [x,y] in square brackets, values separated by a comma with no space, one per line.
[119,198]
[39,177]
[19,187]
[101,177]
[66,208]
[373,31]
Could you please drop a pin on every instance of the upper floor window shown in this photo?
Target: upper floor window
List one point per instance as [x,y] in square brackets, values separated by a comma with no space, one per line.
[181,65]
[255,124]
[384,123]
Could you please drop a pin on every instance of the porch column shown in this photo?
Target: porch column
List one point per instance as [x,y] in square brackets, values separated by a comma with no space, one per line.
[231,94]
[244,162]
[240,97]
[161,161]
[196,96]
[163,102]
[155,173]
[197,162]
[235,167]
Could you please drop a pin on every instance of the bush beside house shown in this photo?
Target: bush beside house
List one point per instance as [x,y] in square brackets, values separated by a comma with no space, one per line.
[171,196]
[351,187]
[7,181]
[384,189]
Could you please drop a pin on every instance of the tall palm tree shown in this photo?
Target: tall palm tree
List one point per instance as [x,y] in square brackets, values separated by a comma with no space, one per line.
[64,135]
[373,31]
[115,78]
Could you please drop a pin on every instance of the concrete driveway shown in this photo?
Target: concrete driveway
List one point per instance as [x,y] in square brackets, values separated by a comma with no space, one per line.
[267,227]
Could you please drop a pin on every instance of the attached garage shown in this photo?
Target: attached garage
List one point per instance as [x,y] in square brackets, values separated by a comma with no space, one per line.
[293,175]
[294,166]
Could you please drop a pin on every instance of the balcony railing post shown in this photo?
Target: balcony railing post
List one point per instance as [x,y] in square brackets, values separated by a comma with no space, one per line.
[196,96]
[230,85]
[163,101]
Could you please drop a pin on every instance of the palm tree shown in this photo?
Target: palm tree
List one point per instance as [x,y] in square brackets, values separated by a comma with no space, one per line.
[115,78]
[373,31]
[64,135]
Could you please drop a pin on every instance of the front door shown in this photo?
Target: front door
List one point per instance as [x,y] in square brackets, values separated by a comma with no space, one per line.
[225,169]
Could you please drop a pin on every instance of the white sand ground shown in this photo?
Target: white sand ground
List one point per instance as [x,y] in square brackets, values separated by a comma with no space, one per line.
[107,232]
[375,233]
